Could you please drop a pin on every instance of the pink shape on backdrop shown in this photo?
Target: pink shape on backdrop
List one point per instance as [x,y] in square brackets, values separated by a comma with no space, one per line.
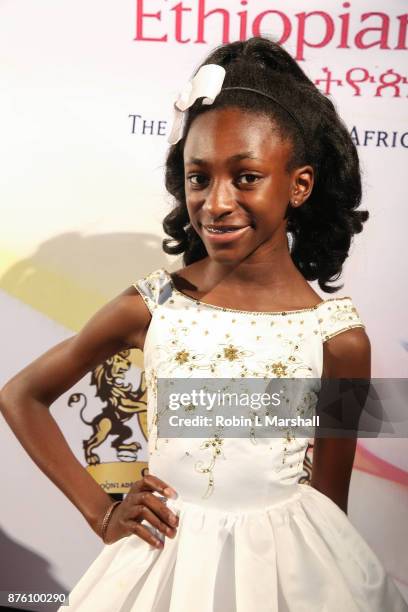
[366,461]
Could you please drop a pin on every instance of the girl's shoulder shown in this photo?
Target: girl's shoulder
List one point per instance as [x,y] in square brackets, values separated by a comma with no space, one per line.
[152,287]
[336,315]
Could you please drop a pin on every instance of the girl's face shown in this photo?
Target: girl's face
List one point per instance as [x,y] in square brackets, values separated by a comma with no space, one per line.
[235,175]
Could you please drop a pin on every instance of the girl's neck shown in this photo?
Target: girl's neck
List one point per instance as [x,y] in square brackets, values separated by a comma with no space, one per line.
[251,285]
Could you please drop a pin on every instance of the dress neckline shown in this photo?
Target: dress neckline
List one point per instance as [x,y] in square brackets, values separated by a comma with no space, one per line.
[250,312]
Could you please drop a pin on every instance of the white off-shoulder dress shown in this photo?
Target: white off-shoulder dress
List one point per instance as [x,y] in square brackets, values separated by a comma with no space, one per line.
[251,537]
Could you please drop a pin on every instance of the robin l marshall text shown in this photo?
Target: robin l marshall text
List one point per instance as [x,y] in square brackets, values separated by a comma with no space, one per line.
[236,421]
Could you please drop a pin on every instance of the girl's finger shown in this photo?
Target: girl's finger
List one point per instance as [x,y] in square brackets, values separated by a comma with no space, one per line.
[152,483]
[154,520]
[151,502]
[144,533]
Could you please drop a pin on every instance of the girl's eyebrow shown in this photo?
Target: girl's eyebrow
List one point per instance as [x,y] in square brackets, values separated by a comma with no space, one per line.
[237,157]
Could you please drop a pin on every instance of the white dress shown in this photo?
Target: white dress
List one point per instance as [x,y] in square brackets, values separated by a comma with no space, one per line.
[250,536]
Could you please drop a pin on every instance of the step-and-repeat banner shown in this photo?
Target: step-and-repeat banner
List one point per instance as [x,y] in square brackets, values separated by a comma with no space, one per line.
[85,110]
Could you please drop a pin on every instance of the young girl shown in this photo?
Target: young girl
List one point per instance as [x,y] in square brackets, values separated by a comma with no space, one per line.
[259,158]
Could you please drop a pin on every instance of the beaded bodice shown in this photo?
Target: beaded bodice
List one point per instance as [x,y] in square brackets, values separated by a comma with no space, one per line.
[191,339]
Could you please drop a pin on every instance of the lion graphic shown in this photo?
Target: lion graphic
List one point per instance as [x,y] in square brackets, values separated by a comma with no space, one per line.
[306,476]
[121,403]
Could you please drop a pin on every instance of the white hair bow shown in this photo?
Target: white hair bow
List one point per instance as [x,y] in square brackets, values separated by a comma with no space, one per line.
[207,82]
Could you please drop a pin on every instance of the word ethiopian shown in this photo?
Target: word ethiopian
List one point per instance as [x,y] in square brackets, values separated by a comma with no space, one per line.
[192,21]
[203,398]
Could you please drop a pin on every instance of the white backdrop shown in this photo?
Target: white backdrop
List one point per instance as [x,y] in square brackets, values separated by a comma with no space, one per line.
[85,108]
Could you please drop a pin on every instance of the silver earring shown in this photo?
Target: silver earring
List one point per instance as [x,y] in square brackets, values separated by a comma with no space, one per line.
[289,234]
[290,241]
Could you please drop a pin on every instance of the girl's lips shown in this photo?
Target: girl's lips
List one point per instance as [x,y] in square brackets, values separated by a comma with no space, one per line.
[225,236]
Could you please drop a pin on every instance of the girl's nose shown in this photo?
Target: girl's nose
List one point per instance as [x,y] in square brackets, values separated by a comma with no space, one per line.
[219,199]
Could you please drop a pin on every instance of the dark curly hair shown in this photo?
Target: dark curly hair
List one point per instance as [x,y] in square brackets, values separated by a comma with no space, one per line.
[323,226]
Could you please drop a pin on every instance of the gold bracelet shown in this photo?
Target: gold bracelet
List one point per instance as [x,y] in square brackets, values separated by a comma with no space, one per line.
[106,519]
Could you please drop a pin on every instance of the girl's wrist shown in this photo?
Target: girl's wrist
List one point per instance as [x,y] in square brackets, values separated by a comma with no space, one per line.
[95,518]
[106,520]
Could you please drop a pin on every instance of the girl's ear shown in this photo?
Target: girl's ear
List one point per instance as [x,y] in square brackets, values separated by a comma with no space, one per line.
[303,181]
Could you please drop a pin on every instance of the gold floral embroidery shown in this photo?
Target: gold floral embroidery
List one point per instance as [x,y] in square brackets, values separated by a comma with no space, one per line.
[231,352]
[215,445]
[279,369]
[182,356]
[189,408]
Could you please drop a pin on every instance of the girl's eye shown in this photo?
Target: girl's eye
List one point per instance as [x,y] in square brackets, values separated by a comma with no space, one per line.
[195,176]
[251,176]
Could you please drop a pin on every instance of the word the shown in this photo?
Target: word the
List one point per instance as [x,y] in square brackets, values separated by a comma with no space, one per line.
[151,127]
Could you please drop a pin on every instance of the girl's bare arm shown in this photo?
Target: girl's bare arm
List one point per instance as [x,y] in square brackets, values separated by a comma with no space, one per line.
[26,398]
[348,356]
